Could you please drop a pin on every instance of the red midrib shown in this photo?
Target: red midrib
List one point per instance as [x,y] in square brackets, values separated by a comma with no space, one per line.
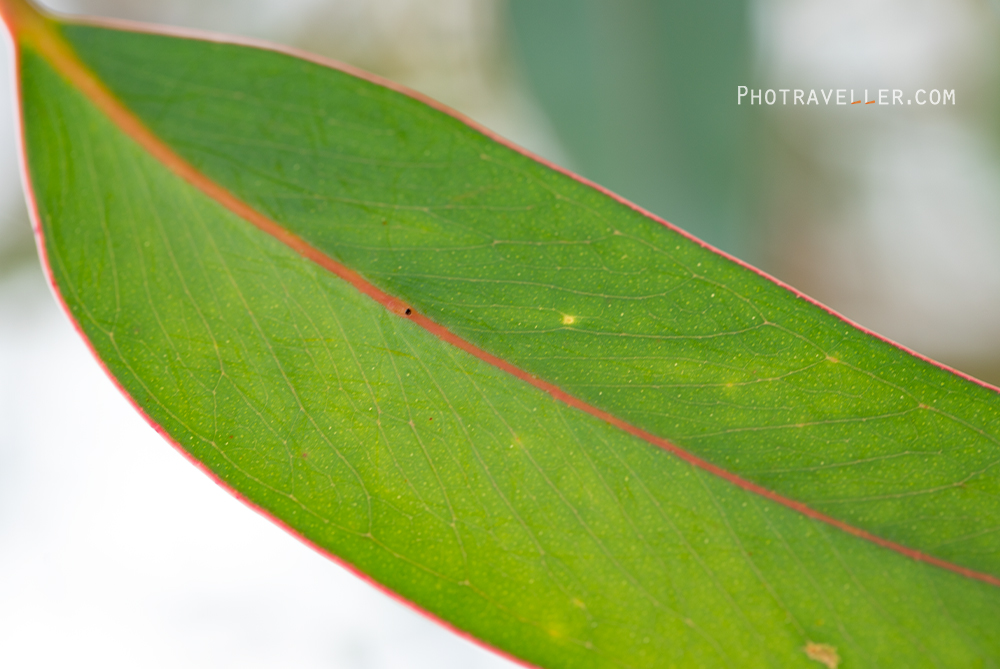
[61,56]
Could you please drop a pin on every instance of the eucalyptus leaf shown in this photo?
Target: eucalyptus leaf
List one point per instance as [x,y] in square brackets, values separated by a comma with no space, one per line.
[536,412]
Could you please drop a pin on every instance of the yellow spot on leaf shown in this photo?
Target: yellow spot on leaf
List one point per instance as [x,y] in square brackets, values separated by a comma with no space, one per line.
[568,320]
[823,653]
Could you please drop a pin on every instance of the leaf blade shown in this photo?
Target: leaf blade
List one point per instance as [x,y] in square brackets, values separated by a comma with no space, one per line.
[516,310]
[552,626]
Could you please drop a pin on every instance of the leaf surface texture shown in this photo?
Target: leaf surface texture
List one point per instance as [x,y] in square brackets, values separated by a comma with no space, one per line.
[537,527]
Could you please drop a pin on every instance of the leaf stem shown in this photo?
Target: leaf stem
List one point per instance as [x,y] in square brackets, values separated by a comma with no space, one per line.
[35,29]
[24,20]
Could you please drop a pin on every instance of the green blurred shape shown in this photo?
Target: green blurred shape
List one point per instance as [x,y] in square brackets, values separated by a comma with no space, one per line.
[642,94]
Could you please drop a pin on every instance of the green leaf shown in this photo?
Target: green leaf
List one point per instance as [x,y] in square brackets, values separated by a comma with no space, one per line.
[640,94]
[534,411]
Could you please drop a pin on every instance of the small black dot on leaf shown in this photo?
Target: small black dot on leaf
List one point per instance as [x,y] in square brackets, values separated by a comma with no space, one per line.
[409,311]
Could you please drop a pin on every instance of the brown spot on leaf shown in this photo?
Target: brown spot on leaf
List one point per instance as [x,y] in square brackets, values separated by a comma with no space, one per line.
[823,653]
[398,307]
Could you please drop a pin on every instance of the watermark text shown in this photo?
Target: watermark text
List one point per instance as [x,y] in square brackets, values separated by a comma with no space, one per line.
[842,96]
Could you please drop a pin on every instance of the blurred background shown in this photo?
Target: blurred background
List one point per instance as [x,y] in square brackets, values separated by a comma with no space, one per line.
[114,552]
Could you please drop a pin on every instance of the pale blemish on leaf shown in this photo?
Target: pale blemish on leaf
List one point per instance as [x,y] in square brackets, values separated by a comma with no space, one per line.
[568,320]
[823,653]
